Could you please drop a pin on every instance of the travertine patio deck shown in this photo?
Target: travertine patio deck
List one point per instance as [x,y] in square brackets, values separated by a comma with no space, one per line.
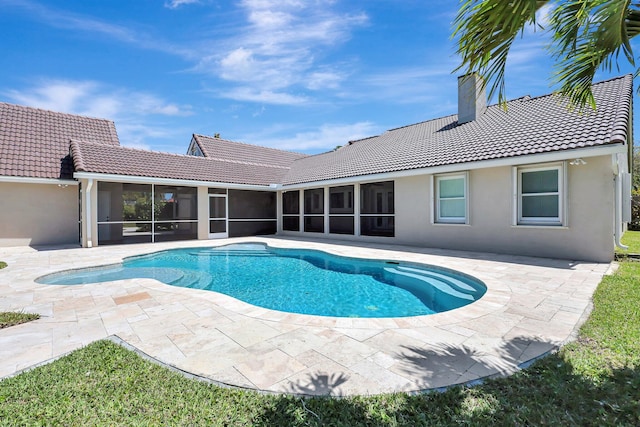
[532,306]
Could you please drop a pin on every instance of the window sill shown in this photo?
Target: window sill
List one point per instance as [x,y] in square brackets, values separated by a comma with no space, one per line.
[543,226]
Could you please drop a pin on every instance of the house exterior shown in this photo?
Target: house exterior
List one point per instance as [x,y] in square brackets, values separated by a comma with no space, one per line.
[38,192]
[534,178]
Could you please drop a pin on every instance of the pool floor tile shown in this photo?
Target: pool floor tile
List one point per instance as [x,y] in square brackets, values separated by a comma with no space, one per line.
[532,306]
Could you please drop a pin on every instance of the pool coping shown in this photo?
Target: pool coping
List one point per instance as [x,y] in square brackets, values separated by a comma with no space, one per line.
[532,306]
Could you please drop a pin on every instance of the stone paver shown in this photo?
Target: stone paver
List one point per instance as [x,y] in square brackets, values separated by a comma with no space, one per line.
[532,306]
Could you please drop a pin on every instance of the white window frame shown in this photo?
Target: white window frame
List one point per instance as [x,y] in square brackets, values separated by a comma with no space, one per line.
[559,220]
[436,201]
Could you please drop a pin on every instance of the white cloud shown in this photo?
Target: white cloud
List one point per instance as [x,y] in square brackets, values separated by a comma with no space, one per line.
[269,19]
[58,18]
[145,103]
[277,47]
[63,96]
[280,48]
[237,64]
[324,80]
[324,138]
[528,53]
[259,112]
[263,96]
[543,16]
[94,99]
[135,134]
[410,85]
[133,112]
[174,4]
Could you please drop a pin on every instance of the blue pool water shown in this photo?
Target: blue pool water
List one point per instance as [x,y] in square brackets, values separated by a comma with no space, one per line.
[297,280]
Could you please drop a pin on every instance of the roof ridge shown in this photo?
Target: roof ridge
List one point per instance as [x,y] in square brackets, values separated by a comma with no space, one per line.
[497,104]
[250,145]
[124,161]
[556,93]
[188,156]
[246,163]
[620,128]
[58,113]
[76,155]
[534,125]
[419,123]
[114,132]
[97,144]
[361,139]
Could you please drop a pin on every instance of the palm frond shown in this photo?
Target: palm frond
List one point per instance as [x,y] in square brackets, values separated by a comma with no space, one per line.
[485,31]
[590,35]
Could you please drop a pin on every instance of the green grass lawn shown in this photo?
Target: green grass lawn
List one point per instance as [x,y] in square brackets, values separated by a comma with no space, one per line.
[631,239]
[10,318]
[592,381]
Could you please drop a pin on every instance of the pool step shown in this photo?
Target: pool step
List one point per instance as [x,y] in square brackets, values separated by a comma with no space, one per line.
[438,283]
[234,252]
[456,284]
[193,280]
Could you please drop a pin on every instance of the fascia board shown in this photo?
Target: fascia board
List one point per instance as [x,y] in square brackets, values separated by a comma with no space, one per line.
[29,180]
[553,156]
[169,181]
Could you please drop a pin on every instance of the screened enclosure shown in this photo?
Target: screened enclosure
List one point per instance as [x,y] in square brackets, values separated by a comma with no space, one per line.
[138,213]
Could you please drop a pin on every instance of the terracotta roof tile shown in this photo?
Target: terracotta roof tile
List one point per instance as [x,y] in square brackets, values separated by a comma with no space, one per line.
[221,149]
[530,125]
[34,143]
[100,158]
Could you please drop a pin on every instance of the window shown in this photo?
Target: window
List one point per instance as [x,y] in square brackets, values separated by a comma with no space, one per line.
[194,150]
[540,195]
[451,198]
[377,209]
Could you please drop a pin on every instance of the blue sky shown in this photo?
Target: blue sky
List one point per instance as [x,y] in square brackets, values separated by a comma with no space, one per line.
[292,74]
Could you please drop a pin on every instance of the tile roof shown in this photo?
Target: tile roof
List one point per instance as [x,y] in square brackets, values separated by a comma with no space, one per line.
[231,151]
[528,126]
[100,158]
[34,143]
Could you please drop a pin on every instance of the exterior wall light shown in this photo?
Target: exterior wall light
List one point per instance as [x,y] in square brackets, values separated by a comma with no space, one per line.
[577,162]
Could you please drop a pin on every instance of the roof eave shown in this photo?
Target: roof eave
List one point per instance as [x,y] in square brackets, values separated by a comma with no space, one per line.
[171,181]
[552,156]
[31,180]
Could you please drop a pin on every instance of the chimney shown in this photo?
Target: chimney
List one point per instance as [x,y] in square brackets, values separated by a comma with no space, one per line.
[472,99]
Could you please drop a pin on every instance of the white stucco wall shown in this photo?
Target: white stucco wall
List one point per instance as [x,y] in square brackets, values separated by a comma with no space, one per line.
[588,234]
[38,214]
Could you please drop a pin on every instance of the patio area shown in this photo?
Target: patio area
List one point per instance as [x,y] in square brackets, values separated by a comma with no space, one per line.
[532,306]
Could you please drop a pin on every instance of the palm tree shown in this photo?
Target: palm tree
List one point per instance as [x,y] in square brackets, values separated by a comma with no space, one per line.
[587,35]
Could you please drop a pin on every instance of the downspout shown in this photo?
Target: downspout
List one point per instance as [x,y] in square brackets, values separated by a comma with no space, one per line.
[88,220]
[617,232]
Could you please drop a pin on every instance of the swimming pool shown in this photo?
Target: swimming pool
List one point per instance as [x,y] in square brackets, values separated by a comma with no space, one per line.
[300,281]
